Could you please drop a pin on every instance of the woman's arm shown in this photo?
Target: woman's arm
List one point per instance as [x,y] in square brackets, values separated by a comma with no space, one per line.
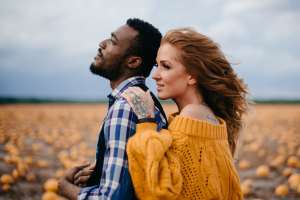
[155,170]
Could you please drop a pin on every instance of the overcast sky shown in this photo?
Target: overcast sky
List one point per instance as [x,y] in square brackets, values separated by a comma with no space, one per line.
[46,46]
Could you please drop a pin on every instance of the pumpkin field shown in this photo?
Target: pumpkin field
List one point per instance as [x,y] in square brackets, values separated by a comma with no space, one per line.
[39,141]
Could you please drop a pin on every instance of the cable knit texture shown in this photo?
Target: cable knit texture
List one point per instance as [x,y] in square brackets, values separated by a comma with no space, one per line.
[190,160]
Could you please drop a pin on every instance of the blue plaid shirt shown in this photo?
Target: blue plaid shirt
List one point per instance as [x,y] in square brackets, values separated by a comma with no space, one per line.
[119,124]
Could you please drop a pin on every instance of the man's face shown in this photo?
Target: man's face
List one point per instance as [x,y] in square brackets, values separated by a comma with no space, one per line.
[110,60]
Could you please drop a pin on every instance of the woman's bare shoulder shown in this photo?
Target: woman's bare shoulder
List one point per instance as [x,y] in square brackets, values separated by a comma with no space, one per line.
[198,111]
[193,111]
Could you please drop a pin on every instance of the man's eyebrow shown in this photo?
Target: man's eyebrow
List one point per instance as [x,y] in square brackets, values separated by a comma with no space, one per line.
[114,36]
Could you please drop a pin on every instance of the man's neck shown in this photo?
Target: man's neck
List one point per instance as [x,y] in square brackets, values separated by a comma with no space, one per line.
[115,83]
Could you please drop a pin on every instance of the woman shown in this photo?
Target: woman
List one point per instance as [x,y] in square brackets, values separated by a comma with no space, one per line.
[193,158]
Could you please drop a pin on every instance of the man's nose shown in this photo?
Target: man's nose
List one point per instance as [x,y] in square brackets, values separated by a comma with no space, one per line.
[102,44]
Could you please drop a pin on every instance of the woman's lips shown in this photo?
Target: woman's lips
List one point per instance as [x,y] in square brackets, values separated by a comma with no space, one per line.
[159,86]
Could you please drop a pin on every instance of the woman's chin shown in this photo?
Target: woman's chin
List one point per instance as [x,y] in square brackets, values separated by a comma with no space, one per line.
[162,97]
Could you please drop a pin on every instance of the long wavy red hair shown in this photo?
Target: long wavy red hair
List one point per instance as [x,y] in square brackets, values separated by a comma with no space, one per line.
[217,82]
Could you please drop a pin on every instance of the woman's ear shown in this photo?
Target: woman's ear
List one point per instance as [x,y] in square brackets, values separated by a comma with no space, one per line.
[192,80]
[134,62]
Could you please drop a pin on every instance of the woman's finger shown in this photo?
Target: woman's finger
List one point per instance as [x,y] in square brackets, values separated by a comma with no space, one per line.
[129,98]
[150,103]
[139,92]
[126,95]
[149,98]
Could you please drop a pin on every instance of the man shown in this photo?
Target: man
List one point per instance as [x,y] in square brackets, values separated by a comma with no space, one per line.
[125,59]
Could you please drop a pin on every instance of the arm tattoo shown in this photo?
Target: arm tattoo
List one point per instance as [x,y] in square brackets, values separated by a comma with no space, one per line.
[140,107]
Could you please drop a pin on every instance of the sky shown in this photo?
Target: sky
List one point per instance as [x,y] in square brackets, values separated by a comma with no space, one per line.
[46,47]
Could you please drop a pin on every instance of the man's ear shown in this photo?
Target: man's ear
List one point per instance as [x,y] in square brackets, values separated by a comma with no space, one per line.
[134,62]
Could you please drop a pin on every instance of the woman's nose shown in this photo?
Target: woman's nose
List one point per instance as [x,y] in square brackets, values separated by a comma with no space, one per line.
[156,75]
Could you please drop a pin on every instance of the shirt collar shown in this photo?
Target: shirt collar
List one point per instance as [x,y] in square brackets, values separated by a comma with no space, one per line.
[116,93]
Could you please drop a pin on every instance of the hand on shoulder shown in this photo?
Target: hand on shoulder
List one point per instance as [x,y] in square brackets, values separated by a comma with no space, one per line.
[140,101]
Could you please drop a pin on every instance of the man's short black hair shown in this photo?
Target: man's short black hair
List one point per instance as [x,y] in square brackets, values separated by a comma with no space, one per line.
[146,44]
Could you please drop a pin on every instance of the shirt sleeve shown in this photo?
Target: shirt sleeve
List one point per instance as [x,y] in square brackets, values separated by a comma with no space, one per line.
[118,127]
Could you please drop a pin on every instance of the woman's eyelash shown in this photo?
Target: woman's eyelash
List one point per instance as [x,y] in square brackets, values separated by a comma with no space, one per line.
[166,66]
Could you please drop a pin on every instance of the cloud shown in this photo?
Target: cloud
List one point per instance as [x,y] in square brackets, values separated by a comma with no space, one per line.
[263,37]
[45,49]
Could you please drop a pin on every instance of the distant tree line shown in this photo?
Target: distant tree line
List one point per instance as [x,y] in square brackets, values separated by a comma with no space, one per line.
[17,100]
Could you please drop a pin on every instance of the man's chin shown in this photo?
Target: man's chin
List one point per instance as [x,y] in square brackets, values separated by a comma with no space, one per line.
[100,72]
[93,69]
[110,74]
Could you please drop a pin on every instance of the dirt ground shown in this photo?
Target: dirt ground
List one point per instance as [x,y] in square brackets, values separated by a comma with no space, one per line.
[38,142]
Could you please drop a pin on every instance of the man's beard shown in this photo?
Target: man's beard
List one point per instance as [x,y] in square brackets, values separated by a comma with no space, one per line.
[109,72]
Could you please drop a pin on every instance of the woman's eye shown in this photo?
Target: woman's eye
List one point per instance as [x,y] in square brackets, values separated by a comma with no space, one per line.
[165,66]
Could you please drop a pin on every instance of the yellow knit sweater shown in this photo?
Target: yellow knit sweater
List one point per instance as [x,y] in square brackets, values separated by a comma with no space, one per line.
[190,160]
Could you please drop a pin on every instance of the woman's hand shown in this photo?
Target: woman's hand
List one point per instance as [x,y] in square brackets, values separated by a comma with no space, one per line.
[140,101]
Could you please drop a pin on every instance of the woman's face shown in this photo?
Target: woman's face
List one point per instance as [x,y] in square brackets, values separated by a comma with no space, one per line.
[170,75]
